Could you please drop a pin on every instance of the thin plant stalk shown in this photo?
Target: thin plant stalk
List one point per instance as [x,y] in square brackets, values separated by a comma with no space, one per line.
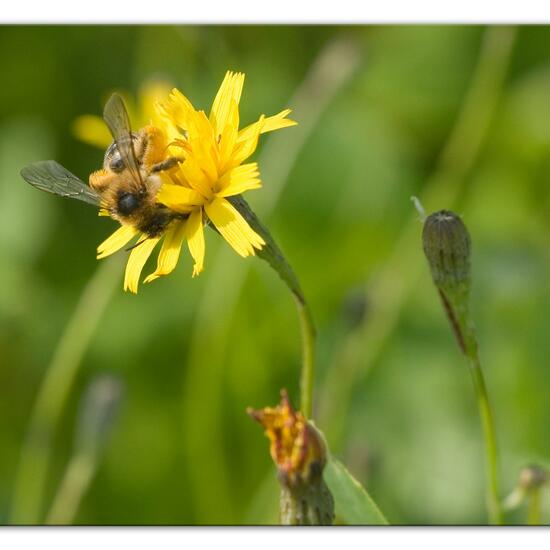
[489,433]
[36,454]
[74,486]
[98,410]
[533,507]
[273,255]
[308,357]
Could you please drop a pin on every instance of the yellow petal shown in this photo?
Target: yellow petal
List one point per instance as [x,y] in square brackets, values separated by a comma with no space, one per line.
[271,123]
[179,198]
[247,146]
[195,239]
[240,179]
[228,139]
[192,173]
[116,241]
[170,251]
[175,112]
[203,145]
[233,227]
[92,130]
[136,261]
[227,99]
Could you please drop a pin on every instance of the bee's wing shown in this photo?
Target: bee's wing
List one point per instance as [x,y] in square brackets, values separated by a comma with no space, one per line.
[50,176]
[116,118]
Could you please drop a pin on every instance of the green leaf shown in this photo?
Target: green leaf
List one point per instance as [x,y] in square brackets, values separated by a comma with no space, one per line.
[353,504]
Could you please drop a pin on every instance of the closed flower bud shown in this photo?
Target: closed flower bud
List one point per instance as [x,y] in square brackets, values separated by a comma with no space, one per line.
[446,243]
[447,247]
[530,480]
[299,453]
[532,477]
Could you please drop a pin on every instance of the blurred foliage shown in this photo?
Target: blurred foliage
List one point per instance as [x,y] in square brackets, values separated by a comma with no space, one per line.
[182,449]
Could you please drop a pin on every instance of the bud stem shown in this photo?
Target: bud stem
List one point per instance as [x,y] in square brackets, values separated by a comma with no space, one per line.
[533,507]
[487,420]
[458,314]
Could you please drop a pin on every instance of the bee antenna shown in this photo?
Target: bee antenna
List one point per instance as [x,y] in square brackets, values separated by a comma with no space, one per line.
[137,244]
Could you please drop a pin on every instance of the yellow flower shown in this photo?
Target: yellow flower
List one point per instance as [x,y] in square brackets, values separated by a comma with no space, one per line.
[91,129]
[296,447]
[213,151]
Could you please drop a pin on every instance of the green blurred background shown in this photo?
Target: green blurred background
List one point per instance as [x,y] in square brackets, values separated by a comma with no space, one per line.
[459,116]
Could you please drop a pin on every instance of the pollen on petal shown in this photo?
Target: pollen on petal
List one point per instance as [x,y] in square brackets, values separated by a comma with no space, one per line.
[116,241]
[136,261]
[233,227]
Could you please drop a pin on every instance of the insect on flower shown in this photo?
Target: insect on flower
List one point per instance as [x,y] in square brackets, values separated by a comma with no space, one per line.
[168,180]
[127,184]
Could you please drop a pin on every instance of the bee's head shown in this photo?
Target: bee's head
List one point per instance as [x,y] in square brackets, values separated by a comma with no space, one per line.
[113,160]
[127,202]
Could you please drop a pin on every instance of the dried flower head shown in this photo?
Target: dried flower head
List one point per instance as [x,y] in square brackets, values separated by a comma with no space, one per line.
[296,447]
[299,453]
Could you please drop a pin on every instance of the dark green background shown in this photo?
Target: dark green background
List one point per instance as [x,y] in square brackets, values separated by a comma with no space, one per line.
[182,449]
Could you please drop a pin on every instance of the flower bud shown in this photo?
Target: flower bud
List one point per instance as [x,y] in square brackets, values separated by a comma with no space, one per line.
[299,453]
[446,244]
[532,477]
[447,247]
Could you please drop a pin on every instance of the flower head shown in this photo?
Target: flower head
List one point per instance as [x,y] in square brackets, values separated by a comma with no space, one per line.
[212,152]
[296,447]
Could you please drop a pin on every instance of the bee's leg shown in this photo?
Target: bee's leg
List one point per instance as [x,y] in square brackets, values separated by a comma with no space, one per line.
[166,164]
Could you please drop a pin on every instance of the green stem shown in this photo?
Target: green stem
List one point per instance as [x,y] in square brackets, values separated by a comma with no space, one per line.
[75,483]
[489,433]
[533,508]
[308,357]
[36,454]
[273,255]
[455,302]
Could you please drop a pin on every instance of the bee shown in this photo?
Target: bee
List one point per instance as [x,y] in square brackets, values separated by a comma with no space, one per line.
[127,185]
